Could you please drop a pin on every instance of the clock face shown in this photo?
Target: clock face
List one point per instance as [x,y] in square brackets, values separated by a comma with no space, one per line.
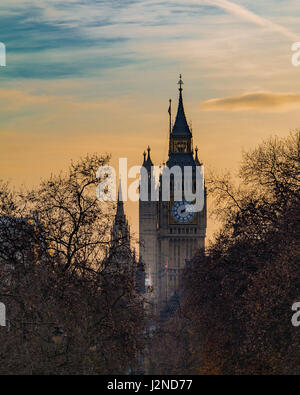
[183,211]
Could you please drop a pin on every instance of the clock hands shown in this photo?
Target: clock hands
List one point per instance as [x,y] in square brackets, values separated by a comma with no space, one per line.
[182,211]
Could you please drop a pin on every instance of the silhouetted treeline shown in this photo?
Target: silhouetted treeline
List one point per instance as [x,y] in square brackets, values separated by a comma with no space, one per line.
[69,311]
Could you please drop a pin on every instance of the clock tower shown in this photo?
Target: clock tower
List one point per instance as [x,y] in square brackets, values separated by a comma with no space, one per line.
[171,231]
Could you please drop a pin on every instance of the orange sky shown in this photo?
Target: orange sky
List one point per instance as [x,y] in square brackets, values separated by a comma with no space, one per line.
[124,128]
[94,78]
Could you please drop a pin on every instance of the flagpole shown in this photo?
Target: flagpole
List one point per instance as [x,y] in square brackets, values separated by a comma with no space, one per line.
[170,124]
[170,112]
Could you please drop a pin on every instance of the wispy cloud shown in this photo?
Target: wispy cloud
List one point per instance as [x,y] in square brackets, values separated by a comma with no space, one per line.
[51,39]
[262,101]
[247,15]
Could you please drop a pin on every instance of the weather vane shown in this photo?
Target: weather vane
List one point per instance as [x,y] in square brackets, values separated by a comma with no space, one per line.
[180,83]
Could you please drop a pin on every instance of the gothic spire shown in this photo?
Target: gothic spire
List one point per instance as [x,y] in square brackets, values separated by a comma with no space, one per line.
[147,162]
[181,127]
[120,206]
[144,155]
[196,157]
[120,230]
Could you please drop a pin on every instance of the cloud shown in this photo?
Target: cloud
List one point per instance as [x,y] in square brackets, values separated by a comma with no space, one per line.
[254,101]
[245,14]
[56,39]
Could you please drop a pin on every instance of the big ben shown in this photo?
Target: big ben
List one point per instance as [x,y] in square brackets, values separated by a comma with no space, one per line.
[170,231]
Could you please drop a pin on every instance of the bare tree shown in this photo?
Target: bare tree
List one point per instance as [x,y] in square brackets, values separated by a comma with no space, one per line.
[238,296]
[68,311]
